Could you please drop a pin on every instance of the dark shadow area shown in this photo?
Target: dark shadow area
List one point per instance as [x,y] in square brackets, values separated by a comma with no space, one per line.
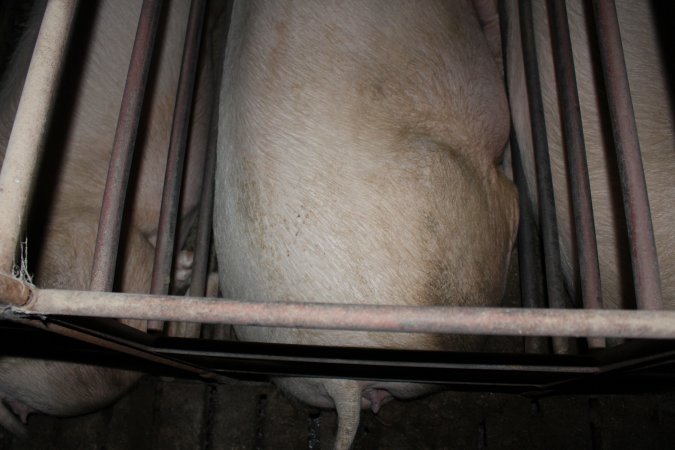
[664,15]
[13,17]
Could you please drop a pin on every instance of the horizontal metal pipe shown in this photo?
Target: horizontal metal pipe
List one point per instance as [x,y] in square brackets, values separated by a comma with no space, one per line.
[31,123]
[451,320]
[646,276]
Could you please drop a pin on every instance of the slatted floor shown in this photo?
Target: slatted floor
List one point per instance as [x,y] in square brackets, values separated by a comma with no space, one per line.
[175,414]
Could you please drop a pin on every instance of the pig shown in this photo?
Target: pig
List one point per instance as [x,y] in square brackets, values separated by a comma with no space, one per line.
[65,256]
[649,87]
[359,161]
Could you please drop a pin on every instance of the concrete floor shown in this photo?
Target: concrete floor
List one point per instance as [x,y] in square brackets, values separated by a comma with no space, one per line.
[177,414]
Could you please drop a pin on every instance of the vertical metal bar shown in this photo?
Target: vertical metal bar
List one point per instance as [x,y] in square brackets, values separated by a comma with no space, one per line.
[110,223]
[161,274]
[634,189]
[582,205]
[547,214]
[204,225]
[529,269]
[200,265]
[28,135]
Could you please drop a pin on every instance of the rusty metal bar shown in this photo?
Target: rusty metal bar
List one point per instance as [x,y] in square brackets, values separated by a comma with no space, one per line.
[452,320]
[28,135]
[128,348]
[547,211]
[112,208]
[573,136]
[161,273]
[646,276]
[200,265]
[528,258]
[13,291]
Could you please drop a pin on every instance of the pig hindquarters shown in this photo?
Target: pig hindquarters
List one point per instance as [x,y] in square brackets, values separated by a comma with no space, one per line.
[358,162]
[66,252]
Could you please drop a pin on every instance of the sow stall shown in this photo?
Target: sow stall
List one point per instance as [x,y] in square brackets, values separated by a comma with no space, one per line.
[567,350]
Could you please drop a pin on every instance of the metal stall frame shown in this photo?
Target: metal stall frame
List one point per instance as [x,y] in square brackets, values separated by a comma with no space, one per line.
[78,314]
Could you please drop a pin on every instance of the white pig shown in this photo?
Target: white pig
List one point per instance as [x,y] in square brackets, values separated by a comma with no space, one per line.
[66,255]
[654,115]
[359,154]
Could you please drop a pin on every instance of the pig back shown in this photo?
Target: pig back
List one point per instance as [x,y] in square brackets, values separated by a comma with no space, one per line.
[358,162]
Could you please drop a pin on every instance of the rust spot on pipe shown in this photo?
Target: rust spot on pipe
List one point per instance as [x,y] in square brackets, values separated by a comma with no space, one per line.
[14,291]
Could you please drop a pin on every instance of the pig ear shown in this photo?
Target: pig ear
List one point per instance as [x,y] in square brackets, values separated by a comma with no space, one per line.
[488,17]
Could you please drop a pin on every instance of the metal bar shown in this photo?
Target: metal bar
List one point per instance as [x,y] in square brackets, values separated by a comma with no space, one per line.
[203,242]
[175,159]
[200,265]
[547,211]
[161,272]
[128,348]
[454,320]
[573,136]
[515,372]
[646,276]
[112,208]
[28,135]
[528,258]
[13,291]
